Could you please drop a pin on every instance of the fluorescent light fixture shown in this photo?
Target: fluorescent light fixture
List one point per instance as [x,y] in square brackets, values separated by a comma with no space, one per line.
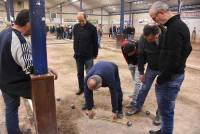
[74,0]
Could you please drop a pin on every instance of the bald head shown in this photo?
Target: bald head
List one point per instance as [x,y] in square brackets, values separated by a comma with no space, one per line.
[82,18]
[94,82]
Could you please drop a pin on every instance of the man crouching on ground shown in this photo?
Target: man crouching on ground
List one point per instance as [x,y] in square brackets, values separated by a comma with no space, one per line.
[104,74]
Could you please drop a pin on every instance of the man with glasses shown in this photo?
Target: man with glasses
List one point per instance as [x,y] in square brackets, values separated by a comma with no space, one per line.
[172,60]
[104,74]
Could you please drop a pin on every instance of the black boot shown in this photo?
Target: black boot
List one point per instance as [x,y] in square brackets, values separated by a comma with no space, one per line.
[155,132]
[84,107]
[80,91]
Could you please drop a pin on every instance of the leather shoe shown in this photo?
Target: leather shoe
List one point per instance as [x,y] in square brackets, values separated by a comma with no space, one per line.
[157,120]
[84,107]
[79,92]
[133,111]
[155,132]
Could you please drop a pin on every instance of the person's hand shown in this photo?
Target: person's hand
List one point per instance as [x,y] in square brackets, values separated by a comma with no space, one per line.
[90,114]
[114,116]
[51,71]
[142,78]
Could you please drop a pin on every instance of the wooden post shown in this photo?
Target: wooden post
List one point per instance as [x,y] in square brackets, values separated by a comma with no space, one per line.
[44,107]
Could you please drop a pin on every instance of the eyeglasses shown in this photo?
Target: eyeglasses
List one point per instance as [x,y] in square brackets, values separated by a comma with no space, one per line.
[154,17]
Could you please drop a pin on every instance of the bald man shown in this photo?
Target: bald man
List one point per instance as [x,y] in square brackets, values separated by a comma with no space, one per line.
[85,47]
[104,74]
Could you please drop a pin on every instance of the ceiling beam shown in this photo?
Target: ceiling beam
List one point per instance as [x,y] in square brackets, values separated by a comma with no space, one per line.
[173,8]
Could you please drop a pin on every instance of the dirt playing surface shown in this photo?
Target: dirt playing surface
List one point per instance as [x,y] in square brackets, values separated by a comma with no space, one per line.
[74,121]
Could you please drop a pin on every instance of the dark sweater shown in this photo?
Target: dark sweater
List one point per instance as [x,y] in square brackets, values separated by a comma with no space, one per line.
[175,51]
[13,80]
[107,71]
[85,41]
[149,53]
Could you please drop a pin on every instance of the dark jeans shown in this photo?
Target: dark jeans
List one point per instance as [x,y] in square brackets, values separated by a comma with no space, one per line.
[166,97]
[150,75]
[12,104]
[118,91]
[81,64]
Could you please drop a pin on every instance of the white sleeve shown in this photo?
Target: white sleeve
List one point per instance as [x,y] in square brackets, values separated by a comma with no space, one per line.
[22,54]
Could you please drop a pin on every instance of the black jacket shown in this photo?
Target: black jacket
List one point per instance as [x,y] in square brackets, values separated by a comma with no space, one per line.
[175,51]
[149,52]
[85,41]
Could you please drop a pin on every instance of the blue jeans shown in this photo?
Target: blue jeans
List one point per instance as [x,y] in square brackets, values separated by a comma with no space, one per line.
[129,36]
[137,84]
[12,104]
[166,95]
[118,91]
[150,75]
[81,64]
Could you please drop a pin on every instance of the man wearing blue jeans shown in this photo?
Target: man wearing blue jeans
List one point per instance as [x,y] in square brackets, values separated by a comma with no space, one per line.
[172,62]
[149,51]
[85,47]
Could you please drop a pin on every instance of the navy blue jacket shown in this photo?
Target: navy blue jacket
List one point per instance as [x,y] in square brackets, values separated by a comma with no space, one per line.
[108,71]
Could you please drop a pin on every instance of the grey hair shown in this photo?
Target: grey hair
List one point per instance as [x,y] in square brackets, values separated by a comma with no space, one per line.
[97,79]
[159,6]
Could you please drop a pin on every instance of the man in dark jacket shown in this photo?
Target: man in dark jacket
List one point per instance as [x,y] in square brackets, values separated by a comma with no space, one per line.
[149,50]
[104,74]
[85,47]
[172,62]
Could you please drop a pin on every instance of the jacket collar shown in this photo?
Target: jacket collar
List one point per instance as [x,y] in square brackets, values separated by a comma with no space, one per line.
[176,17]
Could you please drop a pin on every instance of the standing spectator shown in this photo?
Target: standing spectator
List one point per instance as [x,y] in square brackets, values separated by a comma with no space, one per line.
[172,60]
[194,35]
[15,68]
[125,32]
[53,29]
[70,32]
[110,32]
[58,32]
[100,34]
[61,32]
[85,47]
[114,31]
[66,31]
